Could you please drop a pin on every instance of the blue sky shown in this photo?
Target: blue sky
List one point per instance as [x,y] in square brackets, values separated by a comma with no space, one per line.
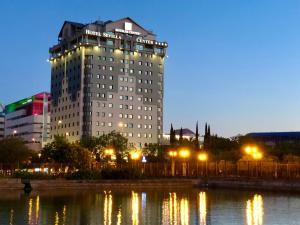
[233,64]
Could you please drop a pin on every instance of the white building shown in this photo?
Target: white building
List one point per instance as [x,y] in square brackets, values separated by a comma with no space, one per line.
[29,119]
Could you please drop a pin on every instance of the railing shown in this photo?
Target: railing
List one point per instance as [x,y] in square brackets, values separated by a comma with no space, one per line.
[219,169]
[251,169]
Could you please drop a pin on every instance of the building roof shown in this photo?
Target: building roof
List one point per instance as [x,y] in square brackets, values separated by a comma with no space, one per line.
[274,134]
[185,131]
[75,24]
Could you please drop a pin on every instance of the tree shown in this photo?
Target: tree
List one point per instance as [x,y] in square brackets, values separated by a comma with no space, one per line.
[181,136]
[116,141]
[206,143]
[172,137]
[61,151]
[155,152]
[14,151]
[57,151]
[82,157]
[89,142]
[197,138]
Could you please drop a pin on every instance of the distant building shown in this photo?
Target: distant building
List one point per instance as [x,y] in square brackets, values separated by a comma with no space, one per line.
[2,120]
[107,76]
[187,134]
[29,119]
[273,138]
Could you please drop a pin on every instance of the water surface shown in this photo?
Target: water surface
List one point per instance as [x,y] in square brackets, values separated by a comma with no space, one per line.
[149,206]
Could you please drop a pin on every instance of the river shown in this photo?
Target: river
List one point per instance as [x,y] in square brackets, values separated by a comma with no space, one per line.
[149,206]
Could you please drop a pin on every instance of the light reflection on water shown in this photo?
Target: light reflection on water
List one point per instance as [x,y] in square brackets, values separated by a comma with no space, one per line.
[181,207]
[255,210]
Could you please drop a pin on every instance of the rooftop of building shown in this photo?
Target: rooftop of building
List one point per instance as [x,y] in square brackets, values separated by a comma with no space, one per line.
[72,35]
[15,105]
[275,134]
[185,132]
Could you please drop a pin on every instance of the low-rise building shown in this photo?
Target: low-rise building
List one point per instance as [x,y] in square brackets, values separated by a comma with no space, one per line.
[29,119]
[274,138]
[2,119]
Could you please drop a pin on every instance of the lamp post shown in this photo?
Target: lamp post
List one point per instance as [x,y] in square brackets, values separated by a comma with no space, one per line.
[173,155]
[135,155]
[108,153]
[14,132]
[256,155]
[184,154]
[202,157]
[58,123]
[121,125]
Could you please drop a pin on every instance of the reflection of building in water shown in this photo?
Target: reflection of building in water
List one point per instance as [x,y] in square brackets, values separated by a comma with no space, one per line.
[107,208]
[135,208]
[255,211]
[202,208]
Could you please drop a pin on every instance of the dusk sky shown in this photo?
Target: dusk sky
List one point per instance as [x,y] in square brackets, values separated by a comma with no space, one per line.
[232,63]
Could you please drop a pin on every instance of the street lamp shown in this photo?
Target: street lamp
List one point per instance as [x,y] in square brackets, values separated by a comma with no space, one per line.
[173,154]
[135,155]
[184,154]
[121,125]
[109,153]
[254,152]
[202,157]
[14,132]
[58,123]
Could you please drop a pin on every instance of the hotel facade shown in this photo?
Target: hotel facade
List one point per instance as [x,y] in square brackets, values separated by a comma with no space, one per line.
[107,76]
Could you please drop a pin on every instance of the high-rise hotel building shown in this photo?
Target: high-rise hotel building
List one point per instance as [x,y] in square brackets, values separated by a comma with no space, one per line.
[107,76]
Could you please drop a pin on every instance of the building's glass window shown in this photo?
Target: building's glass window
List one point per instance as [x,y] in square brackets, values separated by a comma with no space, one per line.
[139,47]
[109,42]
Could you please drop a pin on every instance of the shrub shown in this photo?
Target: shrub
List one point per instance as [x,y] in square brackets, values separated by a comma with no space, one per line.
[33,176]
[117,173]
[84,175]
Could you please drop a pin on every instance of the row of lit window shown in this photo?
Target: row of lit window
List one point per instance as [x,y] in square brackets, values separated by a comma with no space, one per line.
[139,135]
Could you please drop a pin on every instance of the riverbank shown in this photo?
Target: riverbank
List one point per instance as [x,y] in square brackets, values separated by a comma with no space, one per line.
[211,182]
[16,184]
[250,184]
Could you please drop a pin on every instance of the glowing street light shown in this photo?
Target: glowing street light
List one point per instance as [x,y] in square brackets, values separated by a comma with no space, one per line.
[184,153]
[254,152]
[135,155]
[202,157]
[257,156]
[173,154]
[14,132]
[109,151]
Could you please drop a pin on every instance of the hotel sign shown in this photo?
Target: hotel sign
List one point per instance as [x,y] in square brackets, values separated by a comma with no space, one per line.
[151,42]
[99,34]
[116,36]
[127,31]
